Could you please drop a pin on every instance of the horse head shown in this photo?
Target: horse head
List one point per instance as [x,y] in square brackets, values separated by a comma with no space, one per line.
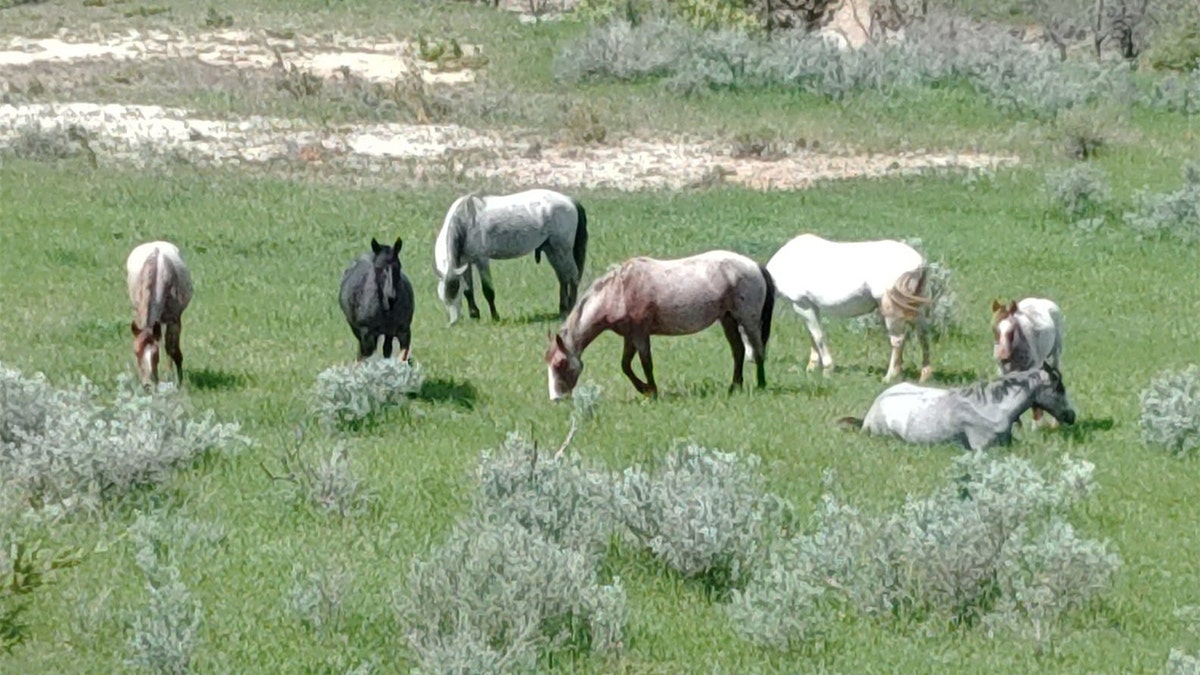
[1050,394]
[145,352]
[563,366]
[1004,329]
[387,269]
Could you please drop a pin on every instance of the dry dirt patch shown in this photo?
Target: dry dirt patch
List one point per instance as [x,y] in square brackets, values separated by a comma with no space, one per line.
[367,59]
[122,134]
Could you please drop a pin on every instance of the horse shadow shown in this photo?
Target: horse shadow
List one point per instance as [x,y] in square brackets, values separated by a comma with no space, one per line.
[440,390]
[208,379]
[1082,430]
[951,377]
[532,318]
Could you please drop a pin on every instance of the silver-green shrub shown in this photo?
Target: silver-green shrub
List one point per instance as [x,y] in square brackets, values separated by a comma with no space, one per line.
[166,632]
[1079,191]
[1177,93]
[564,500]
[1173,214]
[318,597]
[70,448]
[618,50]
[326,481]
[990,546]
[704,513]
[350,394]
[496,594]
[1171,411]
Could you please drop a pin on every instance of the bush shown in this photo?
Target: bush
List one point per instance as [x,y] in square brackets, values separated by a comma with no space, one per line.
[992,546]
[317,597]
[1171,411]
[166,633]
[563,500]
[69,449]
[1177,93]
[1078,192]
[704,513]
[1178,48]
[495,594]
[1174,214]
[354,394]
[326,482]
[620,51]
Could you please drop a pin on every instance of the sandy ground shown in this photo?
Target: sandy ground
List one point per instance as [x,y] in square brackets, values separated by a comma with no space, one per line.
[142,135]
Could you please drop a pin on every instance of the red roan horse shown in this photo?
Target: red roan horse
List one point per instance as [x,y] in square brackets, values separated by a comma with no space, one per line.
[160,288]
[645,297]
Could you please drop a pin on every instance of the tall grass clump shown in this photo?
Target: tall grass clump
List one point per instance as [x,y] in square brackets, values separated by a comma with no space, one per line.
[71,448]
[1170,415]
[165,633]
[495,596]
[349,395]
[1081,195]
[324,479]
[704,513]
[991,547]
[1174,215]
[318,597]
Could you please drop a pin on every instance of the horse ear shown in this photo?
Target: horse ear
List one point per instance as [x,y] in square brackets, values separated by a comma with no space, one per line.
[133,328]
[375,247]
[398,245]
[996,306]
[558,341]
[1012,307]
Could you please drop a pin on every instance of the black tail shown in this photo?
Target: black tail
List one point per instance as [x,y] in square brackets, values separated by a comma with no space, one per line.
[850,423]
[581,237]
[768,306]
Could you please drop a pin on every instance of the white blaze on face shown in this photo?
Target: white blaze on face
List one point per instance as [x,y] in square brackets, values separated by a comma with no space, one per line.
[148,363]
[554,395]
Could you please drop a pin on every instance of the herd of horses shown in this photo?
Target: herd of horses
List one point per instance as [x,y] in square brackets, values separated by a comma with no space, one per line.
[644,296]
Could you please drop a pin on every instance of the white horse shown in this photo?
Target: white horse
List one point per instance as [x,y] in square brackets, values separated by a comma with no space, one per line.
[480,228]
[850,279]
[1027,334]
[160,289]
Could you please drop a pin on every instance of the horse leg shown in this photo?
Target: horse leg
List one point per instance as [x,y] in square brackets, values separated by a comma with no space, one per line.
[367,342]
[818,356]
[387,345]
[923,337]
[489,293]
[568,279]
[895,328]
[171,332]
[643,349]
[469,292]
[730,325]
[627,366]
[404,335]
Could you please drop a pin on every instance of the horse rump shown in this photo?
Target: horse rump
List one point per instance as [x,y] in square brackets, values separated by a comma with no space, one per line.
[581,236]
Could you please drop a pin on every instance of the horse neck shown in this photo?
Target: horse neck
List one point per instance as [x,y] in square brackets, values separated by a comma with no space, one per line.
[1016,399]
[586,321]
[151,291]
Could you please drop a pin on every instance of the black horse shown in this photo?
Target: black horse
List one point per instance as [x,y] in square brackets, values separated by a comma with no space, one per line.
[377,299]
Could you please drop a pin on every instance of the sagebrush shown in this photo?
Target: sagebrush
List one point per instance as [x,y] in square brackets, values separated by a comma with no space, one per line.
[1170,414]
[1174,215]
[356,393]
[165,633]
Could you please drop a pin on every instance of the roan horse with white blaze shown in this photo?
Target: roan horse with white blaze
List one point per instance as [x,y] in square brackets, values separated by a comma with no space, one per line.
[977,416]
[645,296]
[481,228]
[850,279]
[1026,335]
[160,288]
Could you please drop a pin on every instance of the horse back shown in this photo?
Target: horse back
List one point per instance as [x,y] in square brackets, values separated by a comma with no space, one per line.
[511,226]
[686,295]
[158,281]
[833,274]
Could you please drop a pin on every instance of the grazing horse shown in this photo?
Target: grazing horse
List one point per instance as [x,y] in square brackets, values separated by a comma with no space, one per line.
[645,296]
[481,228]
[160,288]
[1027,334]
[851,279]
[977,416]
[377,299]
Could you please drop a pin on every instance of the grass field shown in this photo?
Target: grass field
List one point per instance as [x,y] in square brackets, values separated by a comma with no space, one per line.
[267,253]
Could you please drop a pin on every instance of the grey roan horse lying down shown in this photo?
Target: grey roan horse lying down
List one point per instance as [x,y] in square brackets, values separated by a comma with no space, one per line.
[481,228]
[645,297]
[977,416]
[377,299]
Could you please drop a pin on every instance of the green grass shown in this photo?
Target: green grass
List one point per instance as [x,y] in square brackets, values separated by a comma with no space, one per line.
[267,255]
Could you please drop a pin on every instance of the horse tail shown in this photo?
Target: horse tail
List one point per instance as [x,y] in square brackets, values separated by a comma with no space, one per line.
[768,308]
[581,236]
[908,294]
[850,423]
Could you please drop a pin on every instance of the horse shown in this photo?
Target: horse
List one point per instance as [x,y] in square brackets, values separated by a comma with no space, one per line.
[160,289]
[645,296]
[1026,335]
[851,279]
[480,228]
[977,416]
[377,299]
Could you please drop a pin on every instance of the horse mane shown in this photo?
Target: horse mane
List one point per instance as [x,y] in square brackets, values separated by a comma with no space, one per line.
[589,293]
[149,307]
[994,391]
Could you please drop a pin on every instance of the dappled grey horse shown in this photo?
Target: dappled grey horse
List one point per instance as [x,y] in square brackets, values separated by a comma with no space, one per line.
[481,228]
[377,299]
[977,416]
